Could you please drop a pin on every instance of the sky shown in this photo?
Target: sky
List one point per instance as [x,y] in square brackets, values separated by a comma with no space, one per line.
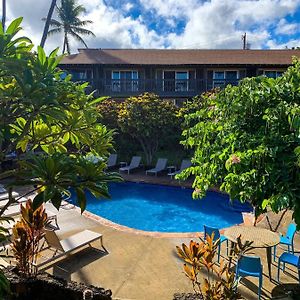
[197,24]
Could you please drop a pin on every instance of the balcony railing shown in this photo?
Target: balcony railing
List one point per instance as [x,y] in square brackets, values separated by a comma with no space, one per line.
[164,87]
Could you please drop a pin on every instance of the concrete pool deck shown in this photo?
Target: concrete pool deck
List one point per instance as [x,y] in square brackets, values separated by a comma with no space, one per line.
[145,267]
[138,266]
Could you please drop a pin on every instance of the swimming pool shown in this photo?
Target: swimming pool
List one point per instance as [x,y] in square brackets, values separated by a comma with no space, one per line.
[160,208]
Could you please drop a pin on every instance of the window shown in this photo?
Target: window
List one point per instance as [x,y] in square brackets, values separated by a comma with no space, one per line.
[181,84]
[219,75]
[80,75]
[272,73]
[175,81]
[126,81]
[221,78]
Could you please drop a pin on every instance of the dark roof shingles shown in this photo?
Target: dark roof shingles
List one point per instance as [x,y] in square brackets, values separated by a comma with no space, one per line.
[181,57]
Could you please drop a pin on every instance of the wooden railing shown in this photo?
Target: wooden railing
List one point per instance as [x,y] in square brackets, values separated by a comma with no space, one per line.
[164,87]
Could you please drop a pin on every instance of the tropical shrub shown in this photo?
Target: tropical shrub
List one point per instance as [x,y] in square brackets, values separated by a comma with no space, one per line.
[219,282]
[246,139]
[124,144]
[149,120]
[41,111]
[53,116]
[109,110]
[27,234]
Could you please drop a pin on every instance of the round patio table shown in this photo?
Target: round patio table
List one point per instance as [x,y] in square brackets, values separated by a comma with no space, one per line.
[261,238]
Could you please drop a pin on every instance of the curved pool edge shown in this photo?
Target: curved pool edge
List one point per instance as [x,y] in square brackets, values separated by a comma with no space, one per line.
[116,226]
[155,234]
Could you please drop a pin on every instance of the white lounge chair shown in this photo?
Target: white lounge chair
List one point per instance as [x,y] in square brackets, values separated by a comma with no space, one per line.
[4,199]
[4,196]
[134,164]
[112,160]
[12,211]
[66,246]
[160,166]
[184,165]
[19,201]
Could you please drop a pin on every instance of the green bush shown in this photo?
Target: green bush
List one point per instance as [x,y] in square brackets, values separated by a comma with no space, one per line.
[246,139]
[144,124]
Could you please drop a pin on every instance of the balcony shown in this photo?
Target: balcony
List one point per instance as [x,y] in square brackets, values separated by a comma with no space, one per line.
[163,88]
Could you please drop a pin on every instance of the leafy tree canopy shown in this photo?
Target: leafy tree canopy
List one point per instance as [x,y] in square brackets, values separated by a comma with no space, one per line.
[148,119]
[42,112]
[247,140]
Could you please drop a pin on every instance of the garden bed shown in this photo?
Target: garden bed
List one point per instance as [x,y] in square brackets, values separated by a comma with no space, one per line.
[48,287]
[187,296]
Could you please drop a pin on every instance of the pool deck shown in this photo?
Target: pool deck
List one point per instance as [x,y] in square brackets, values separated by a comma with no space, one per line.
[164,179]
[139,266]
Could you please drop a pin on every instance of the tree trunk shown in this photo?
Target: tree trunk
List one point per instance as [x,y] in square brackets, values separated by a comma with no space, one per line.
[47,23]
[149,149]
[3,14]
[65,43]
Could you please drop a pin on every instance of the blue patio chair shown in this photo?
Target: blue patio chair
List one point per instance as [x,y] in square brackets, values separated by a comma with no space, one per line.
[250,266]
[288,258]
[209,230]
[288,239]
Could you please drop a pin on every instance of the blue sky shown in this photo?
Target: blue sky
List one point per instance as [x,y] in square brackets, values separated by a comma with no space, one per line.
[175,23]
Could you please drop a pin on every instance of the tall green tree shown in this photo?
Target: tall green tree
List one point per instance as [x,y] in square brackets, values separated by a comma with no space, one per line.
[246,139]
[47,23]
[149,120]
[40,111]
[70,24]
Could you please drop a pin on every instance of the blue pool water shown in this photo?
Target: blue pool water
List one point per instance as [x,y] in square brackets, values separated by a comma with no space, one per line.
[166,209]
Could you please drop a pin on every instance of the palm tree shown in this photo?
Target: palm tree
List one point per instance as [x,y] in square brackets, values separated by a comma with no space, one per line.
[3,14]
[47,24]
[69,23]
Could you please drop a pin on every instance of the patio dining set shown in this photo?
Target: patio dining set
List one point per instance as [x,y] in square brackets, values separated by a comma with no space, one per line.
[260,238]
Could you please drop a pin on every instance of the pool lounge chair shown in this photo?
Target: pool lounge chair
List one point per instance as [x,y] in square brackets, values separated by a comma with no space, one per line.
[160,166]
[18,201]
[12,211]
[112,160]
[4,196]
[134,164]
[66,246]
[184,165]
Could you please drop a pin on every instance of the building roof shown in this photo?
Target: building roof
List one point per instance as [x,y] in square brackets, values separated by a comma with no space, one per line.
[180,57]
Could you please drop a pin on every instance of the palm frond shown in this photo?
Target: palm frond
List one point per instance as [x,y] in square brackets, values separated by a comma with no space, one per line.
[80,23]
[80,9]
[54,22]
[78,38]
[54,31]
[82,31]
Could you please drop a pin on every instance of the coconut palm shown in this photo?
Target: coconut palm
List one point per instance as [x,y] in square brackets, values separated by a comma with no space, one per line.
[47,24]
[69,23]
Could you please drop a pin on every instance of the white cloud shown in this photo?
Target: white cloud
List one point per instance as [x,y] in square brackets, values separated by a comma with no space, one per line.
[111,28]
[114,30]
[128,6]
[285,28]
[207,24]
[170,8]
[293,43]
[220,24]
